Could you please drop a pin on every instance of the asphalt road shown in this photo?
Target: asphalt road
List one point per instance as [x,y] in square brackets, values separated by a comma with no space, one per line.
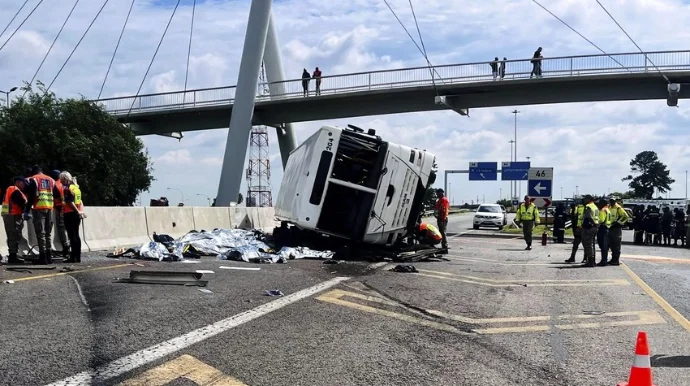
[491,315]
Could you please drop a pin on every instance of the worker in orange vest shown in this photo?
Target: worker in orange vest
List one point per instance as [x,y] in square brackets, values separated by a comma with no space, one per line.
[40,202]
[428,234]
[12,216]
[58,199]
[442,208]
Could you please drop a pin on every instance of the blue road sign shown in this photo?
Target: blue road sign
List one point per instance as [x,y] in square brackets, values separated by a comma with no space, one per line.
[514,171]
[483,171]
[539,188]
[516,202]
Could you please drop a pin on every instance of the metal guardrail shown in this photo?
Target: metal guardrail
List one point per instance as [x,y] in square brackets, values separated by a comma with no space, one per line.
[567,66]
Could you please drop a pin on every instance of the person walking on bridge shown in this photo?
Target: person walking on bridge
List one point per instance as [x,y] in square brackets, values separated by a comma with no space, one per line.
[528,216]
[40,203]
[12,216]
[536,64]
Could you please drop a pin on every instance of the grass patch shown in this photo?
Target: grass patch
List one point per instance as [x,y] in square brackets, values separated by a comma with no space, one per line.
[537,230]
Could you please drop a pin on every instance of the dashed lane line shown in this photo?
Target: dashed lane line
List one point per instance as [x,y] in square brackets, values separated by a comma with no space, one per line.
[148,355]
[677,316]
[564,322]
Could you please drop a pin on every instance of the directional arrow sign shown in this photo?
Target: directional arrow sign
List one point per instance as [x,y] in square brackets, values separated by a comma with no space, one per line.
[483,171]
[538,188]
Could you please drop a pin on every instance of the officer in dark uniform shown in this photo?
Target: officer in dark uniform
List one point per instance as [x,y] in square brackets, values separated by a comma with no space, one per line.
[680,227]
[638,229]
[559,224]
[666,224]
[654,223]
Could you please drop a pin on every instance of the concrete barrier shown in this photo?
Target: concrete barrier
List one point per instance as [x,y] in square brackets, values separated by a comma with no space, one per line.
[110,227]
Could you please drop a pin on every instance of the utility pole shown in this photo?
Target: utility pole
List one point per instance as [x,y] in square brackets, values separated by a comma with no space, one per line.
[511,160]
[686,184]
[515,113]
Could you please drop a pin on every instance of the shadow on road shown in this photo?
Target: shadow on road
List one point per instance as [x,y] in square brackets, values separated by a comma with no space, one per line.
[660,360]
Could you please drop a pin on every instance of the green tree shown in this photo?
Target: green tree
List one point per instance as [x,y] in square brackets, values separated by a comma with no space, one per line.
[652,175]
[111,164]
[505,202]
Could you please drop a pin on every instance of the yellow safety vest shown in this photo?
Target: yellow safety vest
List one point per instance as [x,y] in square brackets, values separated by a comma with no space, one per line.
[579,212]
[619,215]
[76,192]
[595,212]
[528,213]
[605,216]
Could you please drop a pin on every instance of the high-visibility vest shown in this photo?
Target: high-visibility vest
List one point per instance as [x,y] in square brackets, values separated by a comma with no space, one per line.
[595,212]
[431,231]
[580,212]
[57,201]
[528,213]
[605,216]
[619,215]
[76,193]
[8,207]
[44,191]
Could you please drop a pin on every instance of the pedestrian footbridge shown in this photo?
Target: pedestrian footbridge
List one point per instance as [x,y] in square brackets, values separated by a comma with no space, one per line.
[584,78]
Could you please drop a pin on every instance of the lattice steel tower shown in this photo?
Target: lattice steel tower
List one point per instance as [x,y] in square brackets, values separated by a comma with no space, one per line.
[259,168]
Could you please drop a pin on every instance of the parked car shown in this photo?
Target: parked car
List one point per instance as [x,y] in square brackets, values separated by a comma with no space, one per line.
[490,215]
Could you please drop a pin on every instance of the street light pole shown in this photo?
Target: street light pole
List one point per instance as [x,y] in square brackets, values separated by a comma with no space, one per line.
[207,197]
[7,95]
[515,113]
[511,160]
[561,192]
[181,194]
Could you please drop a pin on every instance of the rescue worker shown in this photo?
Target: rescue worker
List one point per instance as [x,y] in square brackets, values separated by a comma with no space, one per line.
[680,227]
[576,224]
[428,234]
[74,213]
[638,228]
[590,227]
[12,216]
[666,225]
[59,213]
[528,216]
[603,231]
[619,219]
[559,224]
[441,213]
[39,195]
[654,225]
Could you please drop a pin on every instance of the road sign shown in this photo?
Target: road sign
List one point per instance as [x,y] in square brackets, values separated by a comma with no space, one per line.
[483,171]
[539,186]
[514,171]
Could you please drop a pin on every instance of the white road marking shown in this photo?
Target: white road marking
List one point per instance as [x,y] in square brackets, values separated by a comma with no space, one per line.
[148,355]
[377,265]
[81,293]
[240,268]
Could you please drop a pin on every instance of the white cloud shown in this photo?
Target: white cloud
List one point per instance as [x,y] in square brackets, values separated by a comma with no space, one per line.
[588,144]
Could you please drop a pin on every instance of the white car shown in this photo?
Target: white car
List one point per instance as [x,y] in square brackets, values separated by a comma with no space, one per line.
[490,215]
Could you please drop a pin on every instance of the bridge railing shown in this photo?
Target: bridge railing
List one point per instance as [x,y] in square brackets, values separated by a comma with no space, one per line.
[569,66]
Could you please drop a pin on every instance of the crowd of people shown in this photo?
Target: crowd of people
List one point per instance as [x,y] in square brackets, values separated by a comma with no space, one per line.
[36,198]
[659,227]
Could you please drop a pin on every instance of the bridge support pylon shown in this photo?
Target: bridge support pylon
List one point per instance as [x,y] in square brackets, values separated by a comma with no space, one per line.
[243,108]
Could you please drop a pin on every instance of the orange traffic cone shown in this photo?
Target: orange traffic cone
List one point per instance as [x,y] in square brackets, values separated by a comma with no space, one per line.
[641,371]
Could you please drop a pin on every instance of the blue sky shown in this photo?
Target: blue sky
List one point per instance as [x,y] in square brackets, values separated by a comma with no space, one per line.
[588,144]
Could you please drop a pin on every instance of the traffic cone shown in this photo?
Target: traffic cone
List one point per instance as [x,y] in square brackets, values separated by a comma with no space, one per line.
[641,371]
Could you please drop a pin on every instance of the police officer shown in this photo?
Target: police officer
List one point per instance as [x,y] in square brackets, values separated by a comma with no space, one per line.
[666,225]
[619,219]
[528,215]
[680,227]
[12,216]
[576,224]
[603,231]
[39,205]
[559,224]
[590,227]
[638,227]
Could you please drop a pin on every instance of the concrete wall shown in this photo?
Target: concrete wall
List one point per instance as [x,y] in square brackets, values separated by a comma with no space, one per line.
[107,228]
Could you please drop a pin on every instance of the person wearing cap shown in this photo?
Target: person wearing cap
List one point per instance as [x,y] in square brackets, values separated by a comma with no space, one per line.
[39,206]
[74,213]
[603,231]
[528,216]
[576,223]
[12,216]
[58,198]
[441,213]
[590,227]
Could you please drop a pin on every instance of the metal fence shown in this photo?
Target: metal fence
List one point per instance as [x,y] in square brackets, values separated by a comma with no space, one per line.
[569,66]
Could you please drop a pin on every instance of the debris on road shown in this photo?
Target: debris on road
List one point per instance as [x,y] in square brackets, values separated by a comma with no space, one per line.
[206,291]
[274,293]
[164,277]
[404,268]
[204,271]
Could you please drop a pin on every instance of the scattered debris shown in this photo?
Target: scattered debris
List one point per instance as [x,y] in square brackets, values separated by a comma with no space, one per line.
[594,312]
[404,268]
[164,277]
[204,271]
[206,291]
[240,268]
[273,293]
[8,281]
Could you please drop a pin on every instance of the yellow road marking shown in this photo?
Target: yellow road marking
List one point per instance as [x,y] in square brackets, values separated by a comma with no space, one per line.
[186,367]
[36,277]
[519,282]
[489,261]
[658,259]
[643,317]
[658,299]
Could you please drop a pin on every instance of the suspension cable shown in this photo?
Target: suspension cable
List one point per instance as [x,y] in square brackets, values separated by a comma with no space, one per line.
[581,35]
[77,45]
[153,58]
[20,25]
[633,41]
[119,39]
[421,40]
[408,33]
[189,52]
[13,17]
[53,44]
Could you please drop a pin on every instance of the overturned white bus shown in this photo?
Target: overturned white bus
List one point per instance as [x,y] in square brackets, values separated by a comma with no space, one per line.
[355,186]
